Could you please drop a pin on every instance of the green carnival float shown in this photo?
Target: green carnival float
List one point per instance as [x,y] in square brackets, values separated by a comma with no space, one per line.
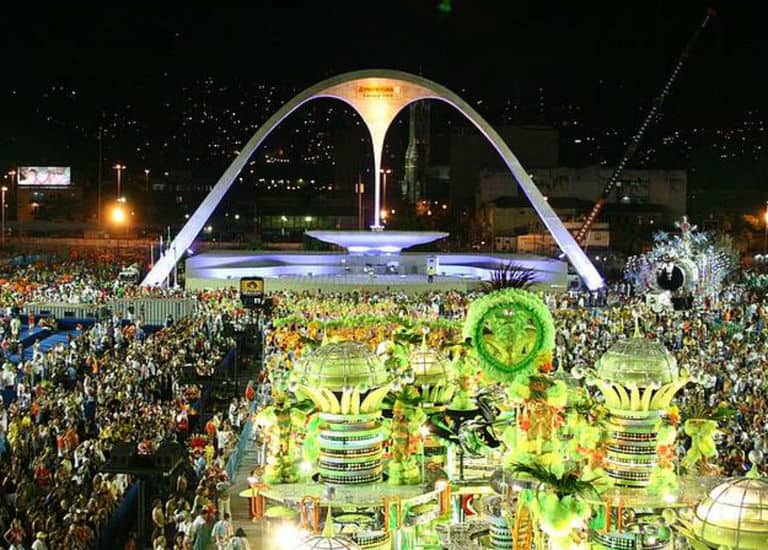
[424,385]
[512,332]
[347,383]
[424,433]
[282,419]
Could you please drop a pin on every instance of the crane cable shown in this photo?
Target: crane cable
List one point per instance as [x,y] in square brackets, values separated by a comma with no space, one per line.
[631,149]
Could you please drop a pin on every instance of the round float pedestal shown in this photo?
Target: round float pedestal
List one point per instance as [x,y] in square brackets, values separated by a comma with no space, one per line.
[351,448]
[500,534]
[631,454]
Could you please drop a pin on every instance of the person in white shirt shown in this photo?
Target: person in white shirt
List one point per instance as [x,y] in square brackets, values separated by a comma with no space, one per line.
[15,328]
[223,436]
[195,526]
[222,502]
[239,541]
[39,542]
[223,532]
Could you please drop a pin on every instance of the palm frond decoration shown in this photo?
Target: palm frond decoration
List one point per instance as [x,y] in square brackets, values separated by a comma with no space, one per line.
[568,484]
[698,408]
[511,275]
[407,337]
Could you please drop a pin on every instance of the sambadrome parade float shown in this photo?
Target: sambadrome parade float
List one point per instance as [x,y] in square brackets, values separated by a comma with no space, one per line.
[395,432]
[684,268]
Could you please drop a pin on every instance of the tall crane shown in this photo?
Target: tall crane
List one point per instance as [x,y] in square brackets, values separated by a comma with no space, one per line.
[629,152]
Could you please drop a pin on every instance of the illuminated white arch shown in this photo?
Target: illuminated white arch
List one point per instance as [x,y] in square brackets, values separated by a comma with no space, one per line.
[378,96]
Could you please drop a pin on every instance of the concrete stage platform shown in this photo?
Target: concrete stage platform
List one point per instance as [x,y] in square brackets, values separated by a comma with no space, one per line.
[344,272]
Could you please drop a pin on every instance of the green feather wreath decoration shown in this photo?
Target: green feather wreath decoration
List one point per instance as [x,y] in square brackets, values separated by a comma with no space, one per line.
[512,332]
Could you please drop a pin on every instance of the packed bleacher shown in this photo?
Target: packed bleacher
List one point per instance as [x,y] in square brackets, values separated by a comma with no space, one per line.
[66,403]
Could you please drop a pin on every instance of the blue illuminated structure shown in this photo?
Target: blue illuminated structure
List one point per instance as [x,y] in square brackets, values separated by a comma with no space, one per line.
[341,271]
[376,242]
[377,96]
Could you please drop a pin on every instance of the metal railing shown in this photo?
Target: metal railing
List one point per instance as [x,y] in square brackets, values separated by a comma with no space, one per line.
[242,443]
[152,311]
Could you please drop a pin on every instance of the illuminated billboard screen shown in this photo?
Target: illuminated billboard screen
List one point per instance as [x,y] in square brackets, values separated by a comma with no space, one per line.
[43,176]
[252,292]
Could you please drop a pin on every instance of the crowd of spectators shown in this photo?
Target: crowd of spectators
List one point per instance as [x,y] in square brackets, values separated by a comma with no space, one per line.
[62,411]
[80,277]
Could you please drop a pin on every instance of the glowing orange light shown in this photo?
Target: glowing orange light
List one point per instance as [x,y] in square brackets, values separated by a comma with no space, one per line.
[118,214]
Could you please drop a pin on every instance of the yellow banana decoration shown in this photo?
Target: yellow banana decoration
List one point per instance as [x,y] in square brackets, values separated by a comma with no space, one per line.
[645,403]
[374,399]
[623,396]
[611,397]
[332,400]
[346,397]
[315,395]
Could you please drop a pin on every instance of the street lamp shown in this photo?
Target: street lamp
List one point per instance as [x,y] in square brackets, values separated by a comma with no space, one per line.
[146,176]
[4,189]
[119,168]
[360,191]
[118,215]
[384,174]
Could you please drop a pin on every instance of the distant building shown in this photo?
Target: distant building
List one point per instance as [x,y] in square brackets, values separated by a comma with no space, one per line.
[664,191]
[513,225]
[543,244]
[49,204]
[536,147]
[285,218]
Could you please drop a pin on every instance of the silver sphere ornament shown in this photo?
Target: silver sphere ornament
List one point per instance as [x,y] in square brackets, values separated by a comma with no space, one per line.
[500,481]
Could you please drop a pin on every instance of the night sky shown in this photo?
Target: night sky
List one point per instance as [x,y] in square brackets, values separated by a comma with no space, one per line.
[609,57]
[485,46]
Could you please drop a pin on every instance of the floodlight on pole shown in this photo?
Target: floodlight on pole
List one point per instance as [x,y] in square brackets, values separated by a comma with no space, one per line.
[118,215]
[384,173]
[119,169]
[4,189]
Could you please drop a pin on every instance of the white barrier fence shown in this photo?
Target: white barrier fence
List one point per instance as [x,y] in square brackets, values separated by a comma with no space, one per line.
[152,311]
